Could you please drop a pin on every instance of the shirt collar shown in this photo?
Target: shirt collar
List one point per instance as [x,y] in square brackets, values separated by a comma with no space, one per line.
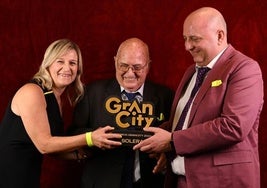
[140,90]
[215,59]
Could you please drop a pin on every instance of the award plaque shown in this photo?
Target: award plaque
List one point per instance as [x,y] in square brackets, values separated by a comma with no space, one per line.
[132,137]
[130,118]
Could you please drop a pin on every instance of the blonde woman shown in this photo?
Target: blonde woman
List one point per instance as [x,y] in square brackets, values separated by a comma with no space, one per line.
[33,125]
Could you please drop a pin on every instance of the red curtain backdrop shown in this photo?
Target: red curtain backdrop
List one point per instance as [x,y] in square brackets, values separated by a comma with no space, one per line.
[98,27]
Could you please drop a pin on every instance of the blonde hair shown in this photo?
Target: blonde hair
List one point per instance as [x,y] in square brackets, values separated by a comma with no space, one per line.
[75,90]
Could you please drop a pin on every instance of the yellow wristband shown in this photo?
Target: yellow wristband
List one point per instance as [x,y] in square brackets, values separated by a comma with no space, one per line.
[88,137]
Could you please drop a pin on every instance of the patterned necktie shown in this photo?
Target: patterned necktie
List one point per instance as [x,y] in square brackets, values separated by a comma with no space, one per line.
[131,96]
[202,71]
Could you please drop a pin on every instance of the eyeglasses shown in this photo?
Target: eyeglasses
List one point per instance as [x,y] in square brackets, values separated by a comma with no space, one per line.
[135,68]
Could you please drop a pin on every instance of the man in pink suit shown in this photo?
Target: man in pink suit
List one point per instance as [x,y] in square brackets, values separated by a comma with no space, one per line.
[217,143]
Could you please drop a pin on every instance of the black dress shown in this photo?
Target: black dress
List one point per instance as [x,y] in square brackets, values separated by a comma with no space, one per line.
[20,161]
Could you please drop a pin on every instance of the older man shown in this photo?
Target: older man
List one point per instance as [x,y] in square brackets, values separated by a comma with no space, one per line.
[110,167]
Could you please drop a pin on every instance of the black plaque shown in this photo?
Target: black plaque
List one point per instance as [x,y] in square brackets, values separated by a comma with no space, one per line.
[130,117]
[132,137]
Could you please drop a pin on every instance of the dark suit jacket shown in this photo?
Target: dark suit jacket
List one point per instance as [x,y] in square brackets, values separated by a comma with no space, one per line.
[221,144]
[104,168]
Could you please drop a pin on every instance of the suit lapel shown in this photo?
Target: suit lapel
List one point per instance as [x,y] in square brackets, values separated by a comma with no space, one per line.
[200,95]
[181,89]
[113,89]
[213,75]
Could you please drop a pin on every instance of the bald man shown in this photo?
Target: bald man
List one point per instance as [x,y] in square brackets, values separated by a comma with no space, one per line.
[102,105]
[214,142]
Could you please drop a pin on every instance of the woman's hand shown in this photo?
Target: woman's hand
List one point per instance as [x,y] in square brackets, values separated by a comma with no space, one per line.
[104,138]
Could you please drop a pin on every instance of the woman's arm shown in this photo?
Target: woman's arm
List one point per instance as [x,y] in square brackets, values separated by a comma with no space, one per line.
[29,103]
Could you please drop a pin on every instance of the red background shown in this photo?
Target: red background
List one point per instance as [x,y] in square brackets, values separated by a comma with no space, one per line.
[98,26]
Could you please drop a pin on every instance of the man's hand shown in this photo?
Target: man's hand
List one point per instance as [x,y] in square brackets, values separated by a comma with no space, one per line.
[158,143]
[161,163]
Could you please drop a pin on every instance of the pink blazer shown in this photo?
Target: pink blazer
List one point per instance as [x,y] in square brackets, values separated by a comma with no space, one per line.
[221,144]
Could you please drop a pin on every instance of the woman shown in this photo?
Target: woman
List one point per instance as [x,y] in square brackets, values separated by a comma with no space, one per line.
[33,125]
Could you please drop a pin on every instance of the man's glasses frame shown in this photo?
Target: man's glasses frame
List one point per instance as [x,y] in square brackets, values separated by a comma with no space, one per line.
[135,68]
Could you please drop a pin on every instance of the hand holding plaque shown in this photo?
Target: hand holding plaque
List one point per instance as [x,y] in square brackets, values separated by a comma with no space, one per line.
[130,118]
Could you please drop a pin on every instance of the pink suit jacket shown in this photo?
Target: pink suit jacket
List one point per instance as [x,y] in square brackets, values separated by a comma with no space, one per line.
[221,144]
